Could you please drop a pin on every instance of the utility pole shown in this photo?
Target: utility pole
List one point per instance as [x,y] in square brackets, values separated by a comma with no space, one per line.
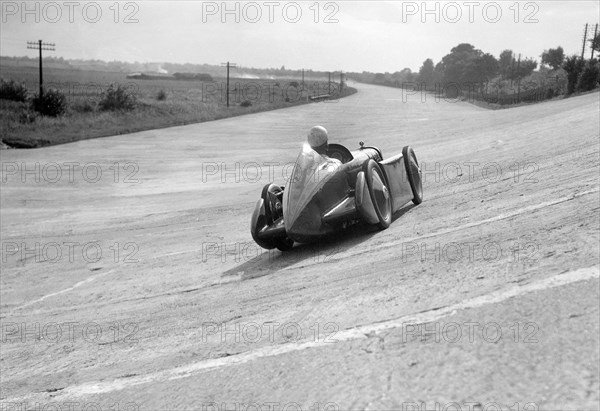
[302,79]
[40,45]
[595,34]
[584,40]
[519,79]
[329,84]
[341,80]
[512,71]
[228,64]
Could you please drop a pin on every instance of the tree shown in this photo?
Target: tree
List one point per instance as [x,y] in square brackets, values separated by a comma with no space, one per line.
[553,57]
[379,78]
[486,67]
[590,76]
[459,65]
[407,76]
[573,66]
[511,68]
[595,43]
[427,74]
[525,68]
[439,70]
[400,77]
[505,63]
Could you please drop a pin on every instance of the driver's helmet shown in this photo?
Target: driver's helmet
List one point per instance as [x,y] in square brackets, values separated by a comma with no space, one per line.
[317,138]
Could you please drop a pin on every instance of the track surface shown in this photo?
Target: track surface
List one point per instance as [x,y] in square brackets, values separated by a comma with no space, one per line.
[486,295]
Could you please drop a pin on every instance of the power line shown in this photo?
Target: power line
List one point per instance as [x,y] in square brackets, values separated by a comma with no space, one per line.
[40,45]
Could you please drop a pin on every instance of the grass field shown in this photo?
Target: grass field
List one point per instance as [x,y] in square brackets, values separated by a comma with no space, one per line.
[182,102]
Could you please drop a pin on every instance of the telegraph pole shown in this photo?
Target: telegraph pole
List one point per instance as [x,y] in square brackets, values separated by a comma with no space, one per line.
[329,84]
[595,34]
[40,45]
[228,64]
[584,40]
[519,78]
[512,71]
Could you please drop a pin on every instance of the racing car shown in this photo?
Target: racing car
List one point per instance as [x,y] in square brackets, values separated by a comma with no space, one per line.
[326,193]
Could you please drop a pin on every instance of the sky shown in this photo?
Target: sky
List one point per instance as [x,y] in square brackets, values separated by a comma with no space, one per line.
[376,36]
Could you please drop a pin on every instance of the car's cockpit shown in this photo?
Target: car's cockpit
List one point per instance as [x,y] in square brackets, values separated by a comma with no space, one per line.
[341,153]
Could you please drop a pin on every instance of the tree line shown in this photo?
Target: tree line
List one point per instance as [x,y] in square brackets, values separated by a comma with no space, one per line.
[480,72]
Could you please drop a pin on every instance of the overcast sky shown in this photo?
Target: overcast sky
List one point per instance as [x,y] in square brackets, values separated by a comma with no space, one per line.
[341,35]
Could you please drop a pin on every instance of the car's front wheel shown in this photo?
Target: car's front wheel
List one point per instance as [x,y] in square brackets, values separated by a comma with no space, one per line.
[267,211]
[284,244]
[379,192]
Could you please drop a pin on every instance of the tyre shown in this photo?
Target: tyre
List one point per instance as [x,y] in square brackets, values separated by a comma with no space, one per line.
[379,192]
[272,196]
[414,174]
[268,210]
[263,215]
[284,244]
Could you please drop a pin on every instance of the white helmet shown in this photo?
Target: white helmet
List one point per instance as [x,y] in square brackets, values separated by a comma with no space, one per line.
[317,136]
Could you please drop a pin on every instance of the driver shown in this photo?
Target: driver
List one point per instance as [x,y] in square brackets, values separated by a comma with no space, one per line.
[317,139]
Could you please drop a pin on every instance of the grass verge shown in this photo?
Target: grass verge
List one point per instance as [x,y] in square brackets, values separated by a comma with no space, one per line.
[158,105]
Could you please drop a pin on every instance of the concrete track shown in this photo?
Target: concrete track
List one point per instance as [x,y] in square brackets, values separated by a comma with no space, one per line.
[486,295]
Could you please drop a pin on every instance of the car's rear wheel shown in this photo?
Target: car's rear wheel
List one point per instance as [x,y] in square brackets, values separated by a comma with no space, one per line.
[379,192]
[413,171]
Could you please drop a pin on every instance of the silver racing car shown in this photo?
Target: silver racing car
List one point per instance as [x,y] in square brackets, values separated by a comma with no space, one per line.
[327,192]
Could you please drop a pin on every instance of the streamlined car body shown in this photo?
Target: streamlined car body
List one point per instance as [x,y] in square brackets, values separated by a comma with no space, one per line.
[327,192]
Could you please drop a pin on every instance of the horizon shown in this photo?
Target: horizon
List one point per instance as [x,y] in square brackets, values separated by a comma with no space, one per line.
[376,37]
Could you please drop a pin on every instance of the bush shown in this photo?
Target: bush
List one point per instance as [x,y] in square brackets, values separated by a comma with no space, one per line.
[27,117]
[85,107]
[10,90]
[573,66]
[52,103]
[588,80]
[117,98]
[246,103]
[161,96]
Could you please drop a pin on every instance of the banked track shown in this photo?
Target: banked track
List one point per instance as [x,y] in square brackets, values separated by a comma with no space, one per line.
[506,239]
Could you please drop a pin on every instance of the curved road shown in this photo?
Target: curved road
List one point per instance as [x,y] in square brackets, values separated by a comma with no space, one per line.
[139,285]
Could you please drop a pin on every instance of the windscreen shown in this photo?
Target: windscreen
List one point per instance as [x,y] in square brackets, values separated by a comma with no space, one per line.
[311,171]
